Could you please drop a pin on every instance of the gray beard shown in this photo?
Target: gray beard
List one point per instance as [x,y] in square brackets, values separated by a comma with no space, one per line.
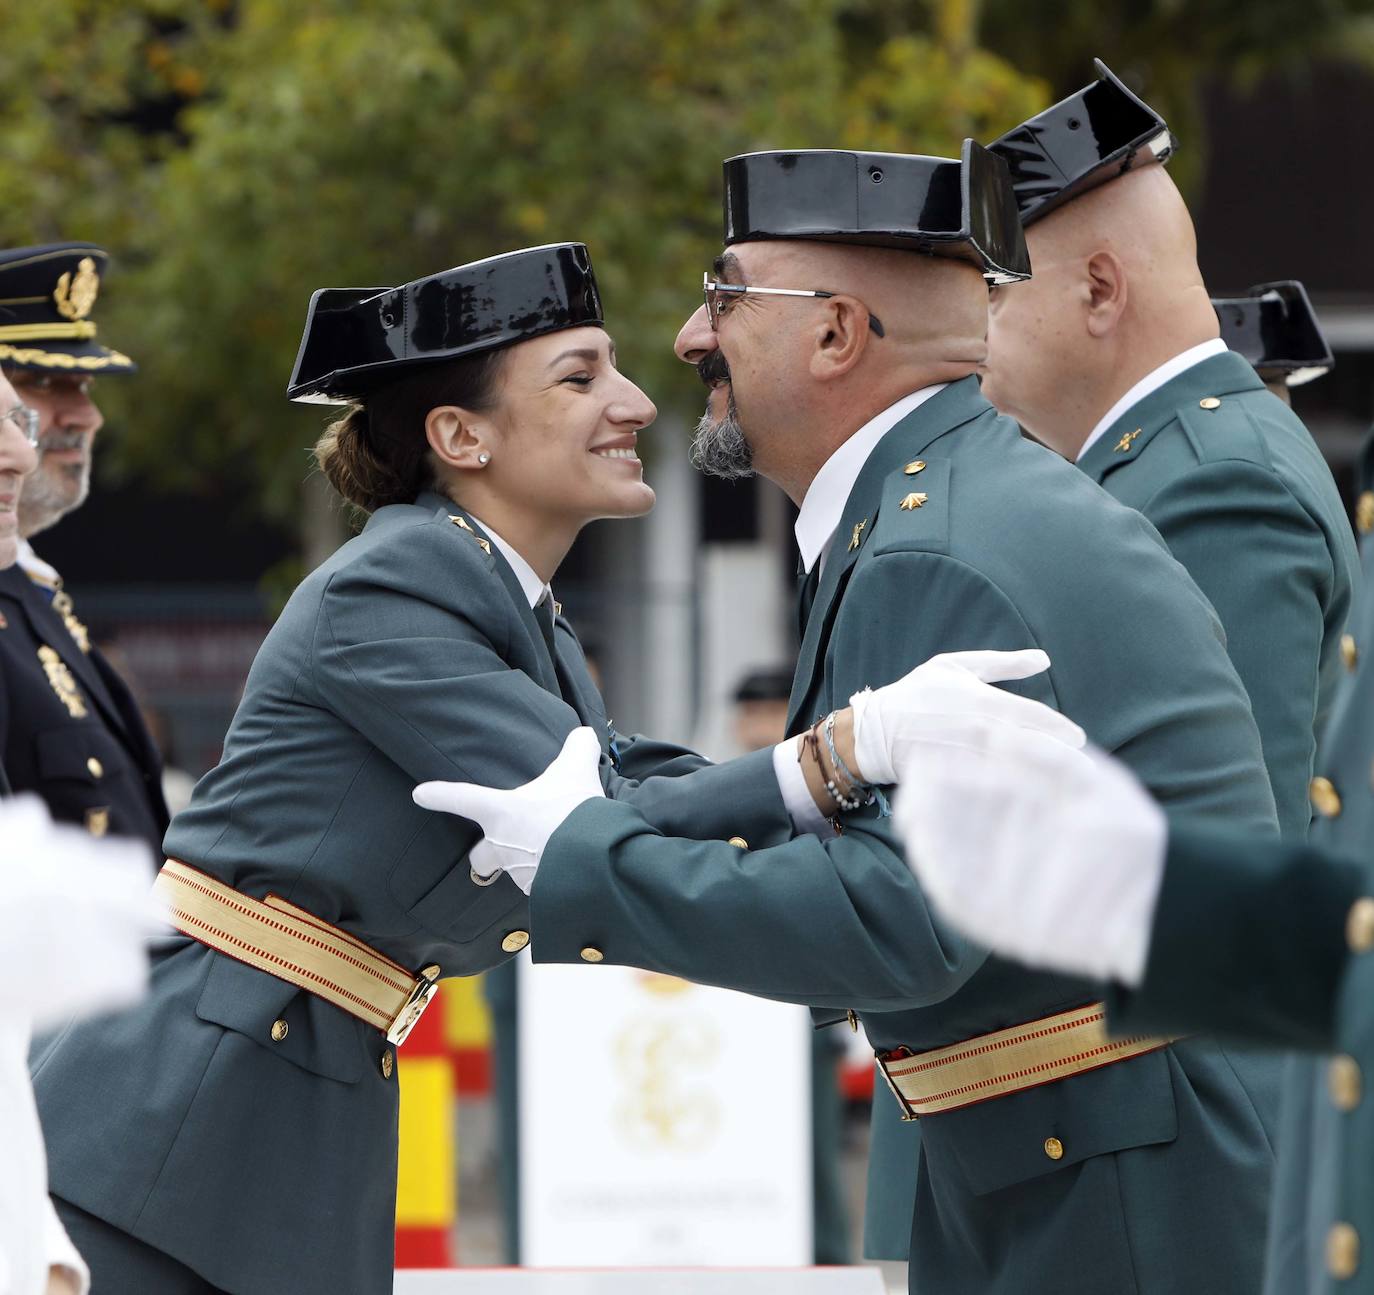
[719,446]
[46,496]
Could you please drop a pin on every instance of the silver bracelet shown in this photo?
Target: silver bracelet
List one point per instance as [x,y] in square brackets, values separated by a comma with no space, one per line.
[861,793]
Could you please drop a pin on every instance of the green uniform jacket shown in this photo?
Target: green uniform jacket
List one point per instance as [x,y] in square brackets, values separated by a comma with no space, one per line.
[1243,498]
[269,1167]
[1236,486]
[1255,941]
[994,543]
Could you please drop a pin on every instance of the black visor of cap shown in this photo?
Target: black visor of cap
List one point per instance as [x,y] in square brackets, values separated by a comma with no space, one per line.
[1274,327]
[356,338]
[1081,142]
[963,209]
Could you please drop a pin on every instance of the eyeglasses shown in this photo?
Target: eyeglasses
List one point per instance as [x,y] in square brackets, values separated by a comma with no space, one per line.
[714,291]
[26,420]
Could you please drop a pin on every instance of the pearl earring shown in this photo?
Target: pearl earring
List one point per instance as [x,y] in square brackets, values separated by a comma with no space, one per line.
[484,458]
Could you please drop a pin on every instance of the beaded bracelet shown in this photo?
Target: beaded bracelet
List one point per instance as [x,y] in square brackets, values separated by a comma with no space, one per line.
[860,792]
[811,739]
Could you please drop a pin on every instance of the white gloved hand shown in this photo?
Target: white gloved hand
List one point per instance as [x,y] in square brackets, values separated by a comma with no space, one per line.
[517,824]
[948,701]
[1046,854]
[75,917]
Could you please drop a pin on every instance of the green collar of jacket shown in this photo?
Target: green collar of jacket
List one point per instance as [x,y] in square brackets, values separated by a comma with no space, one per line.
[1215,378]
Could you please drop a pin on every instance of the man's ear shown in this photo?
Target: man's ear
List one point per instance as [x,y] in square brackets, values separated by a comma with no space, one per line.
[840,338]
[458,437]
[1105,290]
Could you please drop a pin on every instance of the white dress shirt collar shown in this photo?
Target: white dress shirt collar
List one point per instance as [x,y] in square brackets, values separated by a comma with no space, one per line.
[40,572]
[1152,382]
[531,585]
[828,493]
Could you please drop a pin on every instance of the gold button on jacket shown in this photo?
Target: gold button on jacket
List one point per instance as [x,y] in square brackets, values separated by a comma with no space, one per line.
[1364,512]
[1326,799]
[738,842]
[279,1029]
[591,954]
[1350,651]
[388,1063]
[1342,1251]
[1359,926]
[1344,1080]
[515,941]
[1054,1148]
[1209,402]
[95,768]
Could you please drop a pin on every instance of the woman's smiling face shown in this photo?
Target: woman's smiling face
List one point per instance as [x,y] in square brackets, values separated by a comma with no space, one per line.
[567,424]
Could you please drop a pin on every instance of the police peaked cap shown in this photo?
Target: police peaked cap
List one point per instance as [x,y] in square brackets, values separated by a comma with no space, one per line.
[357,338]
[1274,327]
[936,205]
[47,296]
[1081,142]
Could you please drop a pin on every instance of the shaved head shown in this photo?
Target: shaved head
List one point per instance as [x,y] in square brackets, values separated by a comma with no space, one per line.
[1116,293]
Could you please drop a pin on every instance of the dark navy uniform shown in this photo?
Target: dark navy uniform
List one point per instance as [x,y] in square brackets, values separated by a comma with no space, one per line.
[69,727]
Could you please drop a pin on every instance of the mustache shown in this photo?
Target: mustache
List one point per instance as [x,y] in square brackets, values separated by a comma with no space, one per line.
[56,440]
[713,369]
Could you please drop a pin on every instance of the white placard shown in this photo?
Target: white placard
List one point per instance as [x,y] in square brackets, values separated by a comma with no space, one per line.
[661,1123]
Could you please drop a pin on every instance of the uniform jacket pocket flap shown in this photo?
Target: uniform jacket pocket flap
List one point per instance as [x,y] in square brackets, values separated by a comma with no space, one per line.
[318,1037]
[79,753]
[1042,1130]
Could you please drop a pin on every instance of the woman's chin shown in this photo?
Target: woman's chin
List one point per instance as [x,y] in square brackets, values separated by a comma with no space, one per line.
[631,500]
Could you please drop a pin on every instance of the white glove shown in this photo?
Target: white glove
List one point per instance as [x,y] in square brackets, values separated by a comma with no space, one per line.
[947,702]
[517,824]
[75,916]
[1049,855]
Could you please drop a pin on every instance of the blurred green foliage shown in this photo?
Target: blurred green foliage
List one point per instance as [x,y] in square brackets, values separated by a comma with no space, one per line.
[237,154]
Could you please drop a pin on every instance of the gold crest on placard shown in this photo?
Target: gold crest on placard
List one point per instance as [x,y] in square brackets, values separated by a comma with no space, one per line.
[76,294]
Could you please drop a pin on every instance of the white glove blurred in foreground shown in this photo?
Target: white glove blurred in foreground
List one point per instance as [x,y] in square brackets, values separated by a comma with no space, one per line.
[1041,852]
[946,701]
[75,915]
[517,824]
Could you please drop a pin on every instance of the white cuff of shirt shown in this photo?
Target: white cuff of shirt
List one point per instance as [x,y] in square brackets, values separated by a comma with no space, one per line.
[796,795]
[60,1251]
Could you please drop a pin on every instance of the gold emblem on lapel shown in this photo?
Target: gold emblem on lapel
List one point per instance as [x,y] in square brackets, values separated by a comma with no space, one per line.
[62,605]
[1127,441]
[913,500]
[858,530]
[482,544]
[76,295]
[61,681]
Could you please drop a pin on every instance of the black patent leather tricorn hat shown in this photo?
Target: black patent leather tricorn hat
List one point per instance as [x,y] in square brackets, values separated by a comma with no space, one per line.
[47,310]
[357,338]
[1081,142]
[1274,327]
[936,205]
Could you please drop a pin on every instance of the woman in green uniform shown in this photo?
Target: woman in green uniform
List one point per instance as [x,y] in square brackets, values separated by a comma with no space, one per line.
[237,1132]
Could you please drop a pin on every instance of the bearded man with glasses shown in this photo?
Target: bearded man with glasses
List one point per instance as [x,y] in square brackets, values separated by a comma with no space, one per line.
[840,338]
[70,730]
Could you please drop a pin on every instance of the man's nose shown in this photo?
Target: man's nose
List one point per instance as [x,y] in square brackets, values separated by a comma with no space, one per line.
[696,339]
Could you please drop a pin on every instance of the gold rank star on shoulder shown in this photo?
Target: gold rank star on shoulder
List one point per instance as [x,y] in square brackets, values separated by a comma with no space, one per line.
[914,500]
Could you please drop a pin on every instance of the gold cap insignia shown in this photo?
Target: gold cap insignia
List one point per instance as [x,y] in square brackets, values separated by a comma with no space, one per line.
[76,295]
[1127,441]
[913,500]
